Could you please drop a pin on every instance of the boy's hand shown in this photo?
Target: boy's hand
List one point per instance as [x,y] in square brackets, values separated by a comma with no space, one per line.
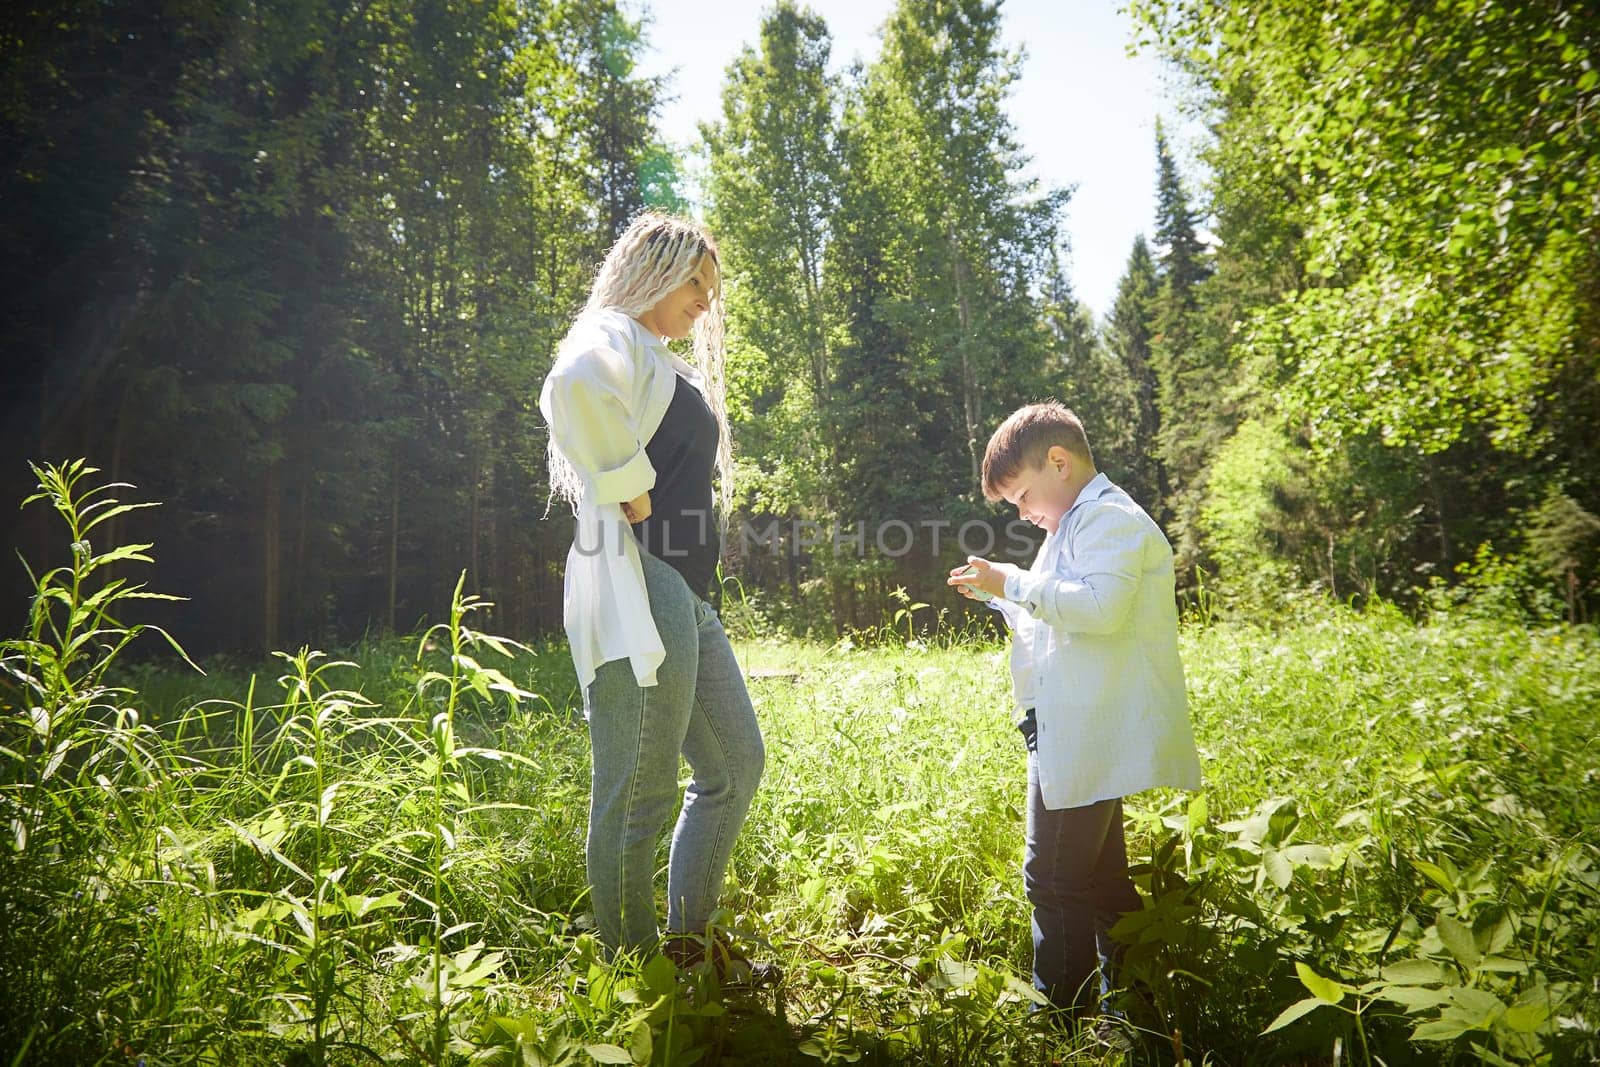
[979,573]
[638,509]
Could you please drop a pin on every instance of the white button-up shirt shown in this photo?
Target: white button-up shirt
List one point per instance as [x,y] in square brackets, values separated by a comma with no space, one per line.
[604,399]
[1028,635]
[1096,654]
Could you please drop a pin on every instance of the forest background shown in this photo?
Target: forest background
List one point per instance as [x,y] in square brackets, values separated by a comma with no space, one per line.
[296,269]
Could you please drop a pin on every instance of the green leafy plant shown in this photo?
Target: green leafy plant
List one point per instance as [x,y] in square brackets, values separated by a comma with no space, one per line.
[80,772]
[377,855]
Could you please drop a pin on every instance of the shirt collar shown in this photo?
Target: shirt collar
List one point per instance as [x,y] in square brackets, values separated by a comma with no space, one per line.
[1097,485]
[659,347]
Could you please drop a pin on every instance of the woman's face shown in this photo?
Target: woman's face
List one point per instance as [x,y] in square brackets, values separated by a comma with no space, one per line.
[674,315]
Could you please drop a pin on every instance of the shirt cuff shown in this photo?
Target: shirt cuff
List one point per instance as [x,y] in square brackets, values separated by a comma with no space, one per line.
[621,484]
[1023,589]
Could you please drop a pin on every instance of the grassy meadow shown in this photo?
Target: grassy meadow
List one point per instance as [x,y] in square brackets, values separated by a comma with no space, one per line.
[377,857]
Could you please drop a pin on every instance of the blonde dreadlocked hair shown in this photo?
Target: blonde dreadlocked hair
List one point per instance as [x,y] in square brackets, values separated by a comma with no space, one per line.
[655,255]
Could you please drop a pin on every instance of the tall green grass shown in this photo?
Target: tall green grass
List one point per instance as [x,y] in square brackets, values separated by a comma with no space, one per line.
[378,858]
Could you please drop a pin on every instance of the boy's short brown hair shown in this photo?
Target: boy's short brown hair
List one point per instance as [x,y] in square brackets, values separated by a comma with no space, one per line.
[1024,440]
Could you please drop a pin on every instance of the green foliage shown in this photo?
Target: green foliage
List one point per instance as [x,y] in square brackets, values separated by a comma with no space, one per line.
[299,270]
[306,266]
[886,266]
[1403,274]
[773,184]
[963,241]
[1563,539]
[1409,323]
[1497,588]
[1278,520]
[1129,332]
[1238,515]
[383,860]
[1419,874]
[80,774]
[269,860]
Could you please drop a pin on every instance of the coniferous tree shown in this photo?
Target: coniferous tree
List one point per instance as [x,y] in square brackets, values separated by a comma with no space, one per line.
[1094,382]
[942,251]
[1129,330]
[1191,388]
[1183,264]
[321,258]
[967,241]
[875,406]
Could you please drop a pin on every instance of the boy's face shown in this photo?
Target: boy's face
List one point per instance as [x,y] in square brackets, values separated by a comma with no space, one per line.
[1042,494]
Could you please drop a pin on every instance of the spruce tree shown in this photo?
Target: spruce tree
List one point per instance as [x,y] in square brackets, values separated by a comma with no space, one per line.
[1128,336]
[1190,364]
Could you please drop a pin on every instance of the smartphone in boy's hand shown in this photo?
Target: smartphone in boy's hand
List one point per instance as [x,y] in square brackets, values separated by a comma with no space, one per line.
[977,594]
[967,588]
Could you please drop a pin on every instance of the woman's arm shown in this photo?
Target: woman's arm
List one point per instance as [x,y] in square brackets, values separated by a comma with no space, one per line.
[585,400]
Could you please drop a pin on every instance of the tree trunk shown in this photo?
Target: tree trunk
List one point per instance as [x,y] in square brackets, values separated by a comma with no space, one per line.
[394,536]
[271,536]
[300,594]
[119,438]
[819,354]
[474,512]
[1446,550]
[970,410]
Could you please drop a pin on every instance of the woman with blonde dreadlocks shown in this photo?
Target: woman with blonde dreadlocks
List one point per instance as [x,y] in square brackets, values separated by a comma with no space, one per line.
[635,434]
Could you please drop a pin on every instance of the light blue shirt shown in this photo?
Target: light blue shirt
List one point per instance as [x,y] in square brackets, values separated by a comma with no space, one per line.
[1096,622]
[1029,637]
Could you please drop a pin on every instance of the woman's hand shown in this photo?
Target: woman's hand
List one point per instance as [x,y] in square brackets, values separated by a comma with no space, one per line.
[638,509]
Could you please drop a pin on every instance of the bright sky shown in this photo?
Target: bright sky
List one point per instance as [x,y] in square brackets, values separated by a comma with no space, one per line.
[1082,109]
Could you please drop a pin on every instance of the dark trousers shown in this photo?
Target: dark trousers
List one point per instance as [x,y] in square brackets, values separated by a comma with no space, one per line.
[1075,872]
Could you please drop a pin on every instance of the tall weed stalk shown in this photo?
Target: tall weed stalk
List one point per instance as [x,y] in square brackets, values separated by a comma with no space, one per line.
[78,772]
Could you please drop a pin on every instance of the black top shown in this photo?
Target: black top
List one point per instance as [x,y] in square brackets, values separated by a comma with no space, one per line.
[682,527]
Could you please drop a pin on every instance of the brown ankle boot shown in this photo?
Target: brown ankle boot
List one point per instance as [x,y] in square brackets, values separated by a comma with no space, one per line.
[716,955]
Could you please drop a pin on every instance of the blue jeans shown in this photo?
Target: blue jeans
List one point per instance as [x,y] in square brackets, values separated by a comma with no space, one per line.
[1075,872]
[699,708]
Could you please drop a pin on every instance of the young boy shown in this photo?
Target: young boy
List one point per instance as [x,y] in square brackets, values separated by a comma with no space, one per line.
[1094,661]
